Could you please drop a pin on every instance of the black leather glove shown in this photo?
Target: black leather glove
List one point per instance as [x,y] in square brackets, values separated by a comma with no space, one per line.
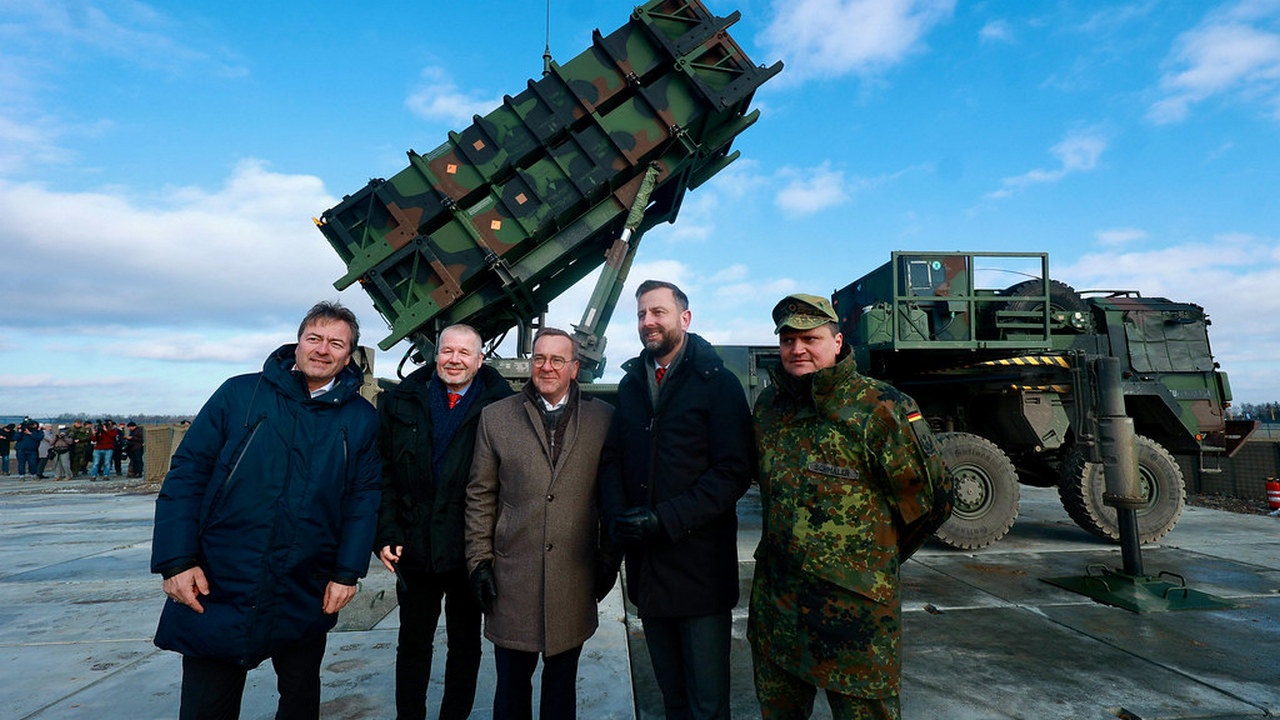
[484,586]
[637,526]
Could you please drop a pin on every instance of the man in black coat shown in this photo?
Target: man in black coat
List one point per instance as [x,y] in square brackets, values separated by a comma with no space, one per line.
[427,438]
[680,453]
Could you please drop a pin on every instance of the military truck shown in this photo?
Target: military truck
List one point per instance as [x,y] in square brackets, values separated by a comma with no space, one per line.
[567,176]
[998,355]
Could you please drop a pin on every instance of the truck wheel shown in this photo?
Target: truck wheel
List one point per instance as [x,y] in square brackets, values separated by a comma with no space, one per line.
[1082,484]
[986,491]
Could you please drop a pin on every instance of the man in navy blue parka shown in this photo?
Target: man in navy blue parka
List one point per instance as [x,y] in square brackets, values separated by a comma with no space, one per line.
[264,523]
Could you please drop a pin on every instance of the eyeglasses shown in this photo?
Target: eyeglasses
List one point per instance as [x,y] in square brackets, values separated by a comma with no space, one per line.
[556,362]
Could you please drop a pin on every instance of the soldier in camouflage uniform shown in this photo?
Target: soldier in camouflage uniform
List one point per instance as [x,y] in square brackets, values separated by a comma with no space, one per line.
[848,477]
[82,450]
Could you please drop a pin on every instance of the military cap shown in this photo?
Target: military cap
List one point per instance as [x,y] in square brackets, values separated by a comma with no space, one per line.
[803,312]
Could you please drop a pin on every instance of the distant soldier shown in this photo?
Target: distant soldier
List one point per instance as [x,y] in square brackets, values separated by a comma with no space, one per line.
[82,450]
[851,484]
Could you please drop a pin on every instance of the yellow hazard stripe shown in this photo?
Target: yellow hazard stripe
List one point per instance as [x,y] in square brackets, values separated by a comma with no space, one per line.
[1028,360]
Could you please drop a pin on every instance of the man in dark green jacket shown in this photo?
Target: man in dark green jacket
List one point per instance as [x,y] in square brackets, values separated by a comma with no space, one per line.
[427,437]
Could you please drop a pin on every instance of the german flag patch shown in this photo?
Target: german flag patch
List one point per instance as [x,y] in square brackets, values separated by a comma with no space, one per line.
[924,437]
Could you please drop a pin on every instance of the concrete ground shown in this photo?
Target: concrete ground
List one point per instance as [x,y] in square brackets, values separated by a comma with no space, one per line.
[78,609]
[985,637]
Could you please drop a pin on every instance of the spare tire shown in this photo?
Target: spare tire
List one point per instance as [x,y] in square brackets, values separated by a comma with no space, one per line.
[1064,302]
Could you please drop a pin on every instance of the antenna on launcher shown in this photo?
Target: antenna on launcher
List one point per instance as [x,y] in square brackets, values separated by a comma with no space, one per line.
[546,52]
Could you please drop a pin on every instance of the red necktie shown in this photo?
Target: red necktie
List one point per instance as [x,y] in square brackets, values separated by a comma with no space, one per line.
[453,399]
[658,373]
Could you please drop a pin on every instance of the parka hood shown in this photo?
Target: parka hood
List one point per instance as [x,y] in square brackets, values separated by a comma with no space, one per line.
[278,370]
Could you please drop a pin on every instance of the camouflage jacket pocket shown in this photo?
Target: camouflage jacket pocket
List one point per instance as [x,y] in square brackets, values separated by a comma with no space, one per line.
[850,573]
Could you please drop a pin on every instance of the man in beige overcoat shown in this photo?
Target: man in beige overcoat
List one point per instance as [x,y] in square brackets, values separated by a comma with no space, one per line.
[533,530]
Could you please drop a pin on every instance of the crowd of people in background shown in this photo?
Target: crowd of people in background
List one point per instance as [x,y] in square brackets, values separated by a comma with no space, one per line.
[61,452]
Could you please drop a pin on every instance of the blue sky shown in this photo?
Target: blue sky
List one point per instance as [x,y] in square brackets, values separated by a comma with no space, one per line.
[160,164]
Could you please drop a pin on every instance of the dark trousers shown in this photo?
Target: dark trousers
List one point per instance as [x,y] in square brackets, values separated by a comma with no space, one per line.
[690,657]
[419,613]
[135,463]
[212,689]
[27,462]
[513,696]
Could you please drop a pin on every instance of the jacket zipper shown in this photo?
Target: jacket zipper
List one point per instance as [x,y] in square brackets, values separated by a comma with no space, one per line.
[226,483]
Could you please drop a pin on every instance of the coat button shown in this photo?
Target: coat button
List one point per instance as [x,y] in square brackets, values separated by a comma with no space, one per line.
[550,498]
[549,547]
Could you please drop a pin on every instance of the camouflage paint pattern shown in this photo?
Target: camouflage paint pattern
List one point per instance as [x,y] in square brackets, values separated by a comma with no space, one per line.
[492,225]
[784,696]
[1173,388]
[846,467]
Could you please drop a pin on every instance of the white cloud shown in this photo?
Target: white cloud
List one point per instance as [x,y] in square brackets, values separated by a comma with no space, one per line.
[832,38]
[733,273]
[742,179]
[742,292]
[438,98]
[48,380]
[996,31]
[1115,18]
[40,42]
[244,253]
[811,190]
[696,222]
[1120,236]
[1231,53]
[1076,153]
[27,142]
[1230,276]
[250,347]
[132,32]
[146,303]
